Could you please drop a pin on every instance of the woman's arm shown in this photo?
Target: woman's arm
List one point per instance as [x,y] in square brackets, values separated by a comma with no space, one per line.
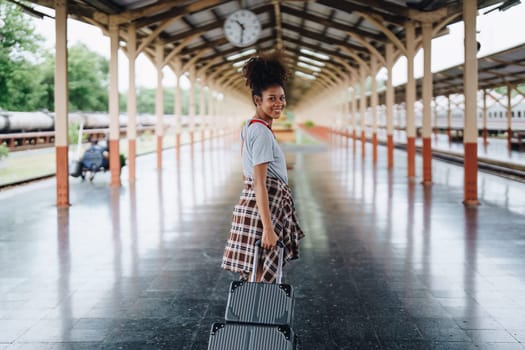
[269,237]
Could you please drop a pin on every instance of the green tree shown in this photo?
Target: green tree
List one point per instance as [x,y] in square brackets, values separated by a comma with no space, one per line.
[146,100]
[88,80]
[20,78]
[503,90]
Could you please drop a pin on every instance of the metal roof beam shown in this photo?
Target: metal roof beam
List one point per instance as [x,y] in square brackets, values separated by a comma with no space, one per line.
[349,7]
[330,24]
[315,48]
[196,6]
[322,39]
[105,6]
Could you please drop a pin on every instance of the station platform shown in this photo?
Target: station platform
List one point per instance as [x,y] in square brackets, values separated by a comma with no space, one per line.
[386,263]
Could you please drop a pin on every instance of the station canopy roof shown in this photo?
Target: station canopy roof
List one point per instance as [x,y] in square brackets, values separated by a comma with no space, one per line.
[499,69]
[323,41]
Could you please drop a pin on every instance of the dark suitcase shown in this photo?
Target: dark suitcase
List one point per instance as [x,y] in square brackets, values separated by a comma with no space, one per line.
[236,336]
[261,303]
[75,168]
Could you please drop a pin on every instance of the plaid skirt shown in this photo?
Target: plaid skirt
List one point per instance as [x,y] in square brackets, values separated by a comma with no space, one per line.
[247,227]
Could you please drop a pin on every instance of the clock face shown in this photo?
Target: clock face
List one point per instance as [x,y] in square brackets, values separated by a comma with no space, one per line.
[242,28]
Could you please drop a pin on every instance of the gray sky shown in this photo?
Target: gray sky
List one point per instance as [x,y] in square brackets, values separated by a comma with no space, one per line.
[497,31]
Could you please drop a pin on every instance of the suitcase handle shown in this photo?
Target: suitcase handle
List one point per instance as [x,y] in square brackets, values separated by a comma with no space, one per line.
[280,245]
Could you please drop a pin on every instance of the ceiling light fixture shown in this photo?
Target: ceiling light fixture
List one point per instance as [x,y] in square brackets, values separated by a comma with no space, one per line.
[304,75]
[316,54]
[309,66]
[241,54]
[309,60]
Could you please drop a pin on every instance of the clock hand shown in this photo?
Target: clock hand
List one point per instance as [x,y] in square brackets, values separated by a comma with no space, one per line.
[240,24]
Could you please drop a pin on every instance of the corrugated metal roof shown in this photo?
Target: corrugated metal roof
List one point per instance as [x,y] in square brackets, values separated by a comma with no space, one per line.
[321,26]
[495,70]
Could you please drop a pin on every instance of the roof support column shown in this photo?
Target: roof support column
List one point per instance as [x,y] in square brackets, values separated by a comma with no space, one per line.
[177,109]
[202,108]
[410,99]
[354,114]
[471,86]
[427,104]
[347,116]
[434,127]
[191,104]
[390,105]
[484,111]
[159,101]
[61,105]
[509,115]
[212,109]
[362,108]
[114,124]
[449,119]
[209,112]
[217,109]
[132,102]
[373,100]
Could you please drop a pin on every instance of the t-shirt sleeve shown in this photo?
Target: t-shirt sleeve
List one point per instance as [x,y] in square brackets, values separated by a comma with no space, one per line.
[262,145]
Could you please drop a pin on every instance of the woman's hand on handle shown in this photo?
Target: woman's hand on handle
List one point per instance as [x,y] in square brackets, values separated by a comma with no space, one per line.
[269,239]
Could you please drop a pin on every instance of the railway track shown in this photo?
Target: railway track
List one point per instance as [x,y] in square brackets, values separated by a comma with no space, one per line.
[41,139]
[510,171]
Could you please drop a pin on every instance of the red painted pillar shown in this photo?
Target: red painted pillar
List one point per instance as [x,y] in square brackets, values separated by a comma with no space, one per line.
[427,161]
[159,152]
[411,154]
[390,146]
[374,147]
[363,143]
[471,174]
[132,155]
[471,85]
[114,162]
[354,140]
[61,107]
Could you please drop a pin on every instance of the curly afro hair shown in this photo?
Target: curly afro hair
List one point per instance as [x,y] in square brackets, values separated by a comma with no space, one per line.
[264,71]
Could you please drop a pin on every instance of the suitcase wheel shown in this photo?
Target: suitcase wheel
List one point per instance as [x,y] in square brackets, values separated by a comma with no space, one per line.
[286,331]
[234,285]
[215,327]
[286,288]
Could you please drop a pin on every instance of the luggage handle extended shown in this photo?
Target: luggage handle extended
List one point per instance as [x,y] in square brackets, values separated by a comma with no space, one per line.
[280,245]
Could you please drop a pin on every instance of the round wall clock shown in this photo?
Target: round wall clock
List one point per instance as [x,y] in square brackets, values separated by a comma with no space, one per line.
[242,28]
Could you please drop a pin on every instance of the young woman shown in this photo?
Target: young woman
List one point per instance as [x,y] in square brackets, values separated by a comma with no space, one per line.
[265,210]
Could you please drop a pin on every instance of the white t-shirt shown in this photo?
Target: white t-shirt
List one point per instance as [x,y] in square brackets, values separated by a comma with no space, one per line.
[260,146]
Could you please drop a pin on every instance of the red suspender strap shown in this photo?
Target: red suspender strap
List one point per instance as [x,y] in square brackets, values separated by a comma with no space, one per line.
[256,121]
[262,122]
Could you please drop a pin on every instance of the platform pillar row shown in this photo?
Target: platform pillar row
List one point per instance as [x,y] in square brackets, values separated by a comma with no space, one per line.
[410,100]
[484,118]
[509,116]
[61,106]
[390,104]
[159,101]
[132,102]
[114,124]
[427,103]
[471,86]
[373,104]
[362,108]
